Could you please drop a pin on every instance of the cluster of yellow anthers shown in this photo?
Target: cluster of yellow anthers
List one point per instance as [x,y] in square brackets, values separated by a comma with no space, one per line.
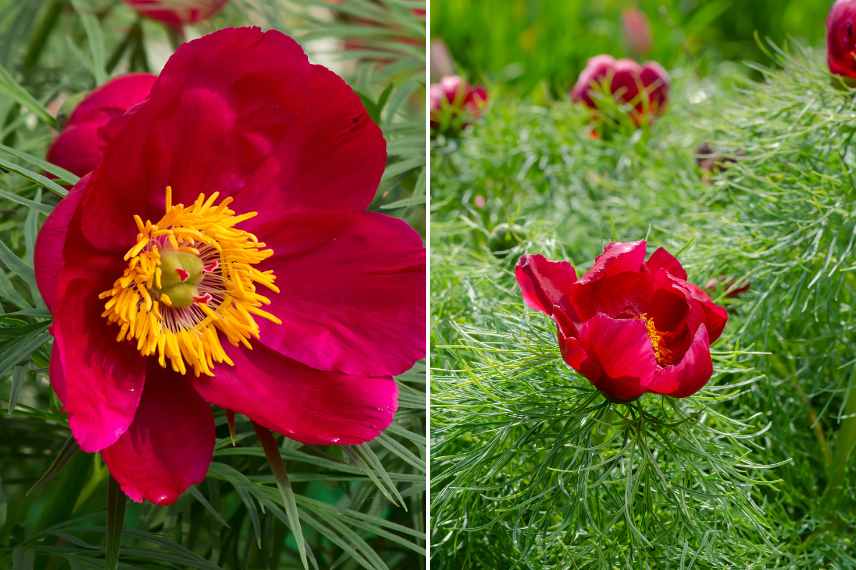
[189,276]
[661,353]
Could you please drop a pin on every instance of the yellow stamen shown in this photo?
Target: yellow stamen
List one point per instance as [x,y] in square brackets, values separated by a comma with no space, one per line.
[661,353]
[183,333]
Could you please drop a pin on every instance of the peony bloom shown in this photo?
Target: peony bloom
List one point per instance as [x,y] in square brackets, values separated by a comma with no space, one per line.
[628,325]
[644,87]
[177,12]
[456,103]
[80,145]
[841,39]
[221,253]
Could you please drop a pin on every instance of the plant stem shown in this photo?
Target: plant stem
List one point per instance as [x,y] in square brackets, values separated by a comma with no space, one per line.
[844,443]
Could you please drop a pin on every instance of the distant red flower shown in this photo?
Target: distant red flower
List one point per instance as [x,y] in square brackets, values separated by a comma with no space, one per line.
[177,12]
[637,31]
[645,87]
[841,38]
[455,101]
[628,325]
[80,145]
[222,253]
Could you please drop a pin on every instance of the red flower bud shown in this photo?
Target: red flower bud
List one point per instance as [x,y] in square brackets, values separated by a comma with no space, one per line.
[177,12]
[628,325]
[645,87]
[840,38]
[637,31]
[454,101]
[80,145]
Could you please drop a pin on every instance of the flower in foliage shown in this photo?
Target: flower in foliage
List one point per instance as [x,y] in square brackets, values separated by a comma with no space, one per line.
[456,103]
[177,12]
[80,145]
[841,39]
[628,325]
[221,253]
[645,88]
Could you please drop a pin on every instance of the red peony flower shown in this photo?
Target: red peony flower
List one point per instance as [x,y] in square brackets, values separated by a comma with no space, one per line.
[628,325]
[221,253]
[645,87]
[841,38]
[454,101]
[80,145]
[177,12]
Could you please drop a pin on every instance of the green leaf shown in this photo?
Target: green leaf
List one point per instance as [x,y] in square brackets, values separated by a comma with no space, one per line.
[39,179]
[20,349]
[278,467]
[66,453]
[115,521]
[10,87]
[96,41]
[61,174]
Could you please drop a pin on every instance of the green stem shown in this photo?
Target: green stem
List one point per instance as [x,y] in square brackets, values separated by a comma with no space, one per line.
[115,521]
[844,443]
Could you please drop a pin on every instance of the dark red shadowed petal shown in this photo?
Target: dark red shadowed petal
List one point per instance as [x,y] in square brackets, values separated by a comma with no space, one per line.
[841,38]
[102,396]
[299,402]
[715,317]
[544,282]
[240,112]
[617,257]
[169,446]
[662,259]
[352,292]
[80,145]
[690,374]
[623,352]
[48,256]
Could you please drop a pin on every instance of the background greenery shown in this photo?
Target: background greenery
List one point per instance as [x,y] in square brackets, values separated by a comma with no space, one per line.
[531,467]
[357,507]
[529,43]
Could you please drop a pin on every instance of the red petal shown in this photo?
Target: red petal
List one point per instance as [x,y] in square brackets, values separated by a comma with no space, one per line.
[690,374]
[617,258]
[48,257]
[544,282]
[80,146]
[169,446]
[353,292]
[237,111]
[102,396]
[299,402]
[662,259]
[622,349]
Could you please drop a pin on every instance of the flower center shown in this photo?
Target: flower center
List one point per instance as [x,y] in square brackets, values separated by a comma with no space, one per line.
[661,353]
[191,275]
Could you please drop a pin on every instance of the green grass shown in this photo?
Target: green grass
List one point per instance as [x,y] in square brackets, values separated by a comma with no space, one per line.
[357,508]
[531,468]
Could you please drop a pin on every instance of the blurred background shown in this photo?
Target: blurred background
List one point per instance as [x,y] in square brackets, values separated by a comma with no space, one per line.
[527,43]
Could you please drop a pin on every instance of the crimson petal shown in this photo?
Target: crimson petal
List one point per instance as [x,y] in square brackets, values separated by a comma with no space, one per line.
[544,282]
[353,292]
[169,446]
[623,351]
[690,374]
[619,257]
[299,402]
[108,376]
[250,115]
